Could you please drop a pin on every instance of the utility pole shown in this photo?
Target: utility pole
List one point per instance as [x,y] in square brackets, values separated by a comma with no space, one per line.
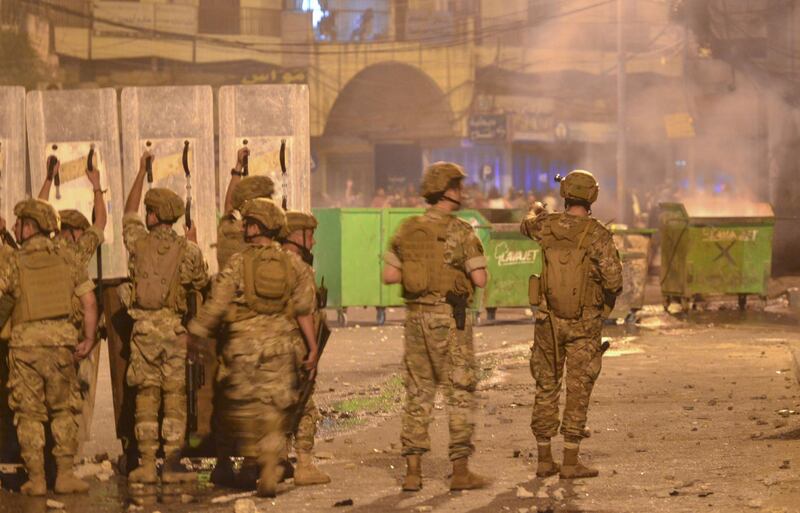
[622,137]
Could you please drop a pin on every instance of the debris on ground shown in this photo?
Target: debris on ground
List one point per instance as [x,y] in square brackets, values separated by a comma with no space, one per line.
[232,497]
[244,506]
[51,504]
[346,502]
[522,493]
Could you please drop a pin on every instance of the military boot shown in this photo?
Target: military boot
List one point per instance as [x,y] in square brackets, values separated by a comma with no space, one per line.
[66,482]
[174,471]
[463,479]
[306,474]
[573,468]
[146,471]
[545,466]
[35,486]
[268,477]
[413,480]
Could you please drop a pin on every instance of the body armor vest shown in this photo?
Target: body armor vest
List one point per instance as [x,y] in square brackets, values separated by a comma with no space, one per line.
[230,240]
[156,281]
[46,287]
[425,270]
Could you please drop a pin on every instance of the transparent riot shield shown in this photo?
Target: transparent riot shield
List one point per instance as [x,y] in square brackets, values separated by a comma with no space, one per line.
[268,117]
[12,150]
[176,124]
[67,125]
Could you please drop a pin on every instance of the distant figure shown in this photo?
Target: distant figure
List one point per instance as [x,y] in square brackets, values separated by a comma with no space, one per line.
[380,200]
[496,200]
[364,29]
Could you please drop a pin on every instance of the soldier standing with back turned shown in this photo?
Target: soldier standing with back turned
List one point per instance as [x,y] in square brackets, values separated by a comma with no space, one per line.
[581,279]
[439,260]
[47,283]
[299,242]
[265,296]
[164,267]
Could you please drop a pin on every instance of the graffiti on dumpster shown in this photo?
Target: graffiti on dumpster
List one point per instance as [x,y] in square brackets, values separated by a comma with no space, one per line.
[728,235]
[504,255]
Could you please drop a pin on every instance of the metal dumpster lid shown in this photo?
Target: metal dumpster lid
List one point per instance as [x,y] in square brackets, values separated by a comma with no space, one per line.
[722,209]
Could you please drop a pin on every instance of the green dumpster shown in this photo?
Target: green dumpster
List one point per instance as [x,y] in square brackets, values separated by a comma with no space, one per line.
[634,245]
[511,258]
[350,247]
[715,249]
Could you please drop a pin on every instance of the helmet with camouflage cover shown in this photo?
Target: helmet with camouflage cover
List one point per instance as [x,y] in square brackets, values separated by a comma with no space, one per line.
[296,220]
[40,211]
[266,212]
[167,205]
[438,177]
[73,219]
[580,185]
[252,187]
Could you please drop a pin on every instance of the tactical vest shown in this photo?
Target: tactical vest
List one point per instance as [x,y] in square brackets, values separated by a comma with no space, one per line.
[46,287]
[425,271]
[156,280]
[230,240]
[566,271]
[268,280]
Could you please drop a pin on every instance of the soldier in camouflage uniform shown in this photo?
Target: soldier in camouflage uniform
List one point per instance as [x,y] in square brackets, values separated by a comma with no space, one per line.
[264,294]
[581,278]
[48,284]
[432,255]
[83,238]
[164,267]
[230,232]
[299,242]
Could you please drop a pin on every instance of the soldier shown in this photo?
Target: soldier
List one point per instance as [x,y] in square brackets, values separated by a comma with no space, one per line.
[76,231]
[439,260]
[164,267]
[265,295]
[299,242]
[46,281]
[581,278]
[230,232]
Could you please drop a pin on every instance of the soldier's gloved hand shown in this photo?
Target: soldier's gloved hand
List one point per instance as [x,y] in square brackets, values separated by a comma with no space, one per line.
[538,207]
[310,365]
[240,155]
[94,177]
[56,169]
[143,161]
[83,348]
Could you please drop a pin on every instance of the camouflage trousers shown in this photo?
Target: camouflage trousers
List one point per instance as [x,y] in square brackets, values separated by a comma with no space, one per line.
[307,429]
[157,369]
[257,384]
[437,354]
[578,347]
[44,386]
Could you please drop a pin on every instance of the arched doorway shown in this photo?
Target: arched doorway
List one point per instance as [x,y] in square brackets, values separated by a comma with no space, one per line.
[377,130]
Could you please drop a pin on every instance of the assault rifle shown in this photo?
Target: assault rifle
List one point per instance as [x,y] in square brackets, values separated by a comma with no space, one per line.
[195,380]
[307,388]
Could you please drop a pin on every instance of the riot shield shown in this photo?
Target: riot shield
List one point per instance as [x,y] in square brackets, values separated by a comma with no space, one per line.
[163,120]
[67,124]
[268,117]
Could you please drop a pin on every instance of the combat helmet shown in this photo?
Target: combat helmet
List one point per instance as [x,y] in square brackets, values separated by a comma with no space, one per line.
[167,205]
[438,176]
[40,211]
[266,212]
[296,220]
[252,187]
[73,219]
[580,185]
